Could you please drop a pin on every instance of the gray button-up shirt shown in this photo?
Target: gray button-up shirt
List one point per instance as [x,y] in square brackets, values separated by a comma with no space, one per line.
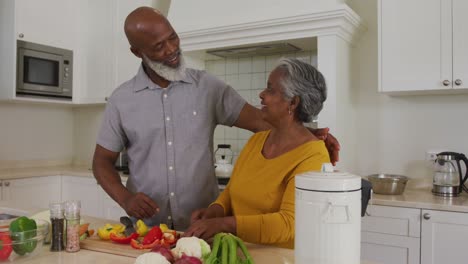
[168,133]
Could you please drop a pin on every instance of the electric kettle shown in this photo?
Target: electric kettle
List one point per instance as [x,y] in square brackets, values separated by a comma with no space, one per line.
[223,161]
[448,178]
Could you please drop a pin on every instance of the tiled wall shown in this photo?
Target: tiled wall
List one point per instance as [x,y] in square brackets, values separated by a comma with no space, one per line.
[248,76]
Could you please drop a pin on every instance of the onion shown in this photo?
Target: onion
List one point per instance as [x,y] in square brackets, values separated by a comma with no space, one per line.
[164,251]
[188,260]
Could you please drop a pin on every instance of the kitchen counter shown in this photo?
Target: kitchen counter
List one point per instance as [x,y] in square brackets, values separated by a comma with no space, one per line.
[422,197]
[19,173]
[261,254]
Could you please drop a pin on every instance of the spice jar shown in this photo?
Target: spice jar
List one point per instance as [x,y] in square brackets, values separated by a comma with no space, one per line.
[72,215]
[56,218]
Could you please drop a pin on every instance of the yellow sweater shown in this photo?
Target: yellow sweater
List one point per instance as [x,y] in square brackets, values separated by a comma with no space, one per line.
[261,191]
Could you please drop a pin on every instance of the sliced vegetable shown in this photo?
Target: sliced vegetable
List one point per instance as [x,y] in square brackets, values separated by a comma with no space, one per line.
[122,239]
[137,245]
[22,232]
[142,228]
[83,228]
[153,234]
[5,246]
[105,231]
[164,227]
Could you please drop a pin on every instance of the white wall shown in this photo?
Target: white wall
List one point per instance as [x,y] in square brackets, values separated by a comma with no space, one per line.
[395,132]
[33,135]
[87,122]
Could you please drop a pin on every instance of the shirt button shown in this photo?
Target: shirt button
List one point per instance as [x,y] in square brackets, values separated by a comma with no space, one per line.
[172,194]
[168,118]
[169,217]
[170,168]
[169,143]
[194,112]
[165,95]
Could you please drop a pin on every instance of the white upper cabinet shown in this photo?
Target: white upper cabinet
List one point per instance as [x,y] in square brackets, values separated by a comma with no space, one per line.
[92,29]
[460,44]
[422,45]
[48,22]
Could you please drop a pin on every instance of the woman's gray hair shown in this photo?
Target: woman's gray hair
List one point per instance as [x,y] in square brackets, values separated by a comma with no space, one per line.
[306,82]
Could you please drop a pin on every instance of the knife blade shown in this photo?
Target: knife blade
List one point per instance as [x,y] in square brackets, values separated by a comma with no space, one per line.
[127,222]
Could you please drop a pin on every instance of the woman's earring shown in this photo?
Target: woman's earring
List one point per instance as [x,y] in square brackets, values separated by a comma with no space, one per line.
[289,111]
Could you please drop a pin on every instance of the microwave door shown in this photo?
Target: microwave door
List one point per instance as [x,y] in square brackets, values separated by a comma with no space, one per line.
[39,71]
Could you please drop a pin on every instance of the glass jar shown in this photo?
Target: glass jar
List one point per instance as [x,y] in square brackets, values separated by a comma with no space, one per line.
[72,216]
[57,222]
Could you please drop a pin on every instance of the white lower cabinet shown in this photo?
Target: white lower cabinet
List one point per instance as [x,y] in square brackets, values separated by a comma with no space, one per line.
[391,235]
[34,192]
[38,192]
[397,235]
[84,189]
[443,237]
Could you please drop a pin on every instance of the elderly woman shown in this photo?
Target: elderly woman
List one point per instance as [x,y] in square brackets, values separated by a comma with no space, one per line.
[258,202]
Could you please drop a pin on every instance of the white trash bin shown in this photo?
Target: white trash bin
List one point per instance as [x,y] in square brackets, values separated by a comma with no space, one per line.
[328,218]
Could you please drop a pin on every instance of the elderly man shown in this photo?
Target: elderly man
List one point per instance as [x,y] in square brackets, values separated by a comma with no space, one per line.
[165,116]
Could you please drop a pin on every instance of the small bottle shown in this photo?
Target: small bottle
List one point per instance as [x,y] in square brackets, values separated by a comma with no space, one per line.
[56,218]
[72,215]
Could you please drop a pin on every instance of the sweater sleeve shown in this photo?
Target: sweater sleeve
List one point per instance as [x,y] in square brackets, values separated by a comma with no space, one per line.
[277,227]
[224,200]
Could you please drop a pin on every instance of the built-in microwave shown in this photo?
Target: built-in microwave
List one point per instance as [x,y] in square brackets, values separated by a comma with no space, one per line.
[44,70]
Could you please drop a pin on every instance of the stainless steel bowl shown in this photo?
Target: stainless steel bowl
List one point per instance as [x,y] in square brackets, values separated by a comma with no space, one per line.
[388,183]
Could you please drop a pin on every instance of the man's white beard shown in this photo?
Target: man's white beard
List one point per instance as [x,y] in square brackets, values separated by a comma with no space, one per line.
[168,73]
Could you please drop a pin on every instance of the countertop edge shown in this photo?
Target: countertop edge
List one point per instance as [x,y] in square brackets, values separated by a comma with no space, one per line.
[21,173]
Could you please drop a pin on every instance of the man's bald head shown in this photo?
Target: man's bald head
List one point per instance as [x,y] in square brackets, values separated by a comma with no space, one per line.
[142,23]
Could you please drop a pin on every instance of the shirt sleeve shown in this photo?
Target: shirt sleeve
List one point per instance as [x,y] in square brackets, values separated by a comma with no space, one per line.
[228,106]
[111,135]
[277,227]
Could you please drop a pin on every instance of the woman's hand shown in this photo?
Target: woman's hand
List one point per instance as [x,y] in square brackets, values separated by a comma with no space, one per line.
[213,211]
[207,228]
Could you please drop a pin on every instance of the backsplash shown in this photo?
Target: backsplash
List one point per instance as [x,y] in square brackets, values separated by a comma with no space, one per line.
[248,76]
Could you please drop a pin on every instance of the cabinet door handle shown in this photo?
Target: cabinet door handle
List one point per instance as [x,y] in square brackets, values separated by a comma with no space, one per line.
[458,82]
[427,216]
[446,82]
[1,184]
[7,184]
[21,35]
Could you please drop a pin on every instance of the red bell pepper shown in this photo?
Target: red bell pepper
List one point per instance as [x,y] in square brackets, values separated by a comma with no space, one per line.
[5,246]
[155,233]
[122,239]
[137,245]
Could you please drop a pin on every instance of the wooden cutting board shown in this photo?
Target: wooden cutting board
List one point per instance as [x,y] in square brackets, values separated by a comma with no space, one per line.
[260,253]
[94,243]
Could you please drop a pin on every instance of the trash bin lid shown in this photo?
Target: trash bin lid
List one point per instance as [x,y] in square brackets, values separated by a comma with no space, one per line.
[328,181]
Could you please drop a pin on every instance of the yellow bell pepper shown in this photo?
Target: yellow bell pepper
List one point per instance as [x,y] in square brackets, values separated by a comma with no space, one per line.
[105,231]
[142,228]
[163,227]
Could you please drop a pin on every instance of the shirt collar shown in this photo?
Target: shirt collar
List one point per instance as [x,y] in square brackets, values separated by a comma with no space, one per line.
[142,81]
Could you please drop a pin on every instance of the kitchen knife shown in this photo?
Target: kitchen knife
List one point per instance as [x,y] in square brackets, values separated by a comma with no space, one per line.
[127,222]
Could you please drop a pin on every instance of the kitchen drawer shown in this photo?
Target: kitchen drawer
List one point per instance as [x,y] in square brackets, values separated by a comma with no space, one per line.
[392,221]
